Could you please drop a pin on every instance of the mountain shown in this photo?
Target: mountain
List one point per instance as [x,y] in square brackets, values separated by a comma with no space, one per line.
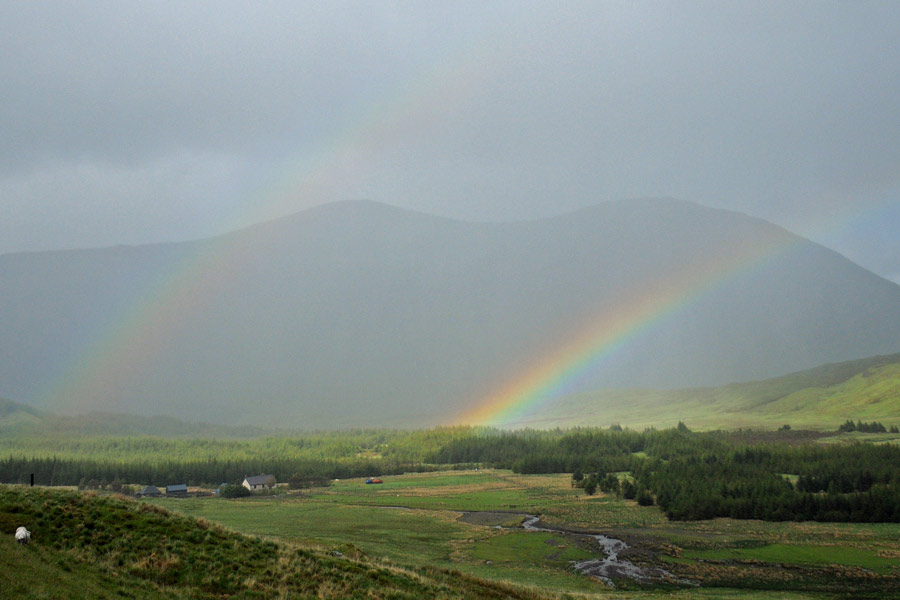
[359,314]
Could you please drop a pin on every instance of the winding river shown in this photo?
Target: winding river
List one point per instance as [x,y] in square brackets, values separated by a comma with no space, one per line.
[609,566]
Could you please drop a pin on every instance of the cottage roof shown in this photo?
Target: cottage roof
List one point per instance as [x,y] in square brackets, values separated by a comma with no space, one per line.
[149,489]
[260,480]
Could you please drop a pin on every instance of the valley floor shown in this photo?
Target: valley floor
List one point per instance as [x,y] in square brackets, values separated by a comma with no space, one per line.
[469,521]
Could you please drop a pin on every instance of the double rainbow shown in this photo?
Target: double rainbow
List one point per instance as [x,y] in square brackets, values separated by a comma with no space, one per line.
[600,339]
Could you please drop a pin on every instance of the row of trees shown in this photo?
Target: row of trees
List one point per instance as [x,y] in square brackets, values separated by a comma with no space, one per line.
[704,475]
[689,475]
[873,427]
[622,487]
[688,490]
[88,473]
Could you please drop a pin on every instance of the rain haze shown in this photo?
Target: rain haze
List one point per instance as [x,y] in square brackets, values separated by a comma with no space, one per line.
[133,123]
[474,299]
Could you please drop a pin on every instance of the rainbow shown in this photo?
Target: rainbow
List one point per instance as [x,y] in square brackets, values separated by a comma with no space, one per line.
[550,377]
[127,341]
[124,343]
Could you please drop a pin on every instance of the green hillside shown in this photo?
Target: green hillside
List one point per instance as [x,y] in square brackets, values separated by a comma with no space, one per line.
[819,398]
[103,547]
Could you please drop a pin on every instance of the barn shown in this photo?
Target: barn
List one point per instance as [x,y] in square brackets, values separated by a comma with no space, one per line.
[149,491]
[177,490]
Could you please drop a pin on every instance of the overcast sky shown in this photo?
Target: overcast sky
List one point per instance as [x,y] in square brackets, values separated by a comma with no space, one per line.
[128,123]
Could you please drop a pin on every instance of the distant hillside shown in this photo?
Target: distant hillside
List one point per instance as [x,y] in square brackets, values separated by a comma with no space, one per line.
[820,398]
[99,547]
[360,314]
[10,409]
[21,419]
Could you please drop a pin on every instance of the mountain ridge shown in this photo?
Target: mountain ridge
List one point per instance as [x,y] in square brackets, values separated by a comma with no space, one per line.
[360,313]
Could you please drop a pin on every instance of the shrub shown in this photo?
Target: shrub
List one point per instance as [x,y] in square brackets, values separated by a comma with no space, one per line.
[235,491]
[644,498]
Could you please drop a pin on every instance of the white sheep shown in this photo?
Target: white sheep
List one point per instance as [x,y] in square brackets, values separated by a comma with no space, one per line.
[23,536]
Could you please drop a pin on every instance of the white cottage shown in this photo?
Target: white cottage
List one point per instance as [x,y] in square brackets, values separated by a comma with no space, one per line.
[259,482]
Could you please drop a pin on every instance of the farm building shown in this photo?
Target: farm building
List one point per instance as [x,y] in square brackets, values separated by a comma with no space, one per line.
[177,490]
[259,482]
[149,491]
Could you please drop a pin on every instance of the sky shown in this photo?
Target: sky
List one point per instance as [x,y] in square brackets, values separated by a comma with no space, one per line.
[133,123]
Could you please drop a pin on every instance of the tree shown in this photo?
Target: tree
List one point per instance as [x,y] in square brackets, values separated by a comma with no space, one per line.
[235,491]
[643,497]
[610,484]
[847,426]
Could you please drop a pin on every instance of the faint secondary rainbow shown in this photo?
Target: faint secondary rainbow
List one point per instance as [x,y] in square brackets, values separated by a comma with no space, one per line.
[548,377]
[127,341]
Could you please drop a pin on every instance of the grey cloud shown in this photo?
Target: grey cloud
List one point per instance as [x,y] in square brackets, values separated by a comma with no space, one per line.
[489,111]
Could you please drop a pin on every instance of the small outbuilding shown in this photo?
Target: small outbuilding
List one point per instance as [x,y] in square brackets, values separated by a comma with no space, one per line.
[177,490]
[259,482]
[149,491]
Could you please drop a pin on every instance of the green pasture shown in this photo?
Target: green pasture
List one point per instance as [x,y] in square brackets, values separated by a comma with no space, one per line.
[806,555]
[415,520]
[536,548]
[389,533]
[485,490]
[603,512]
[403,536]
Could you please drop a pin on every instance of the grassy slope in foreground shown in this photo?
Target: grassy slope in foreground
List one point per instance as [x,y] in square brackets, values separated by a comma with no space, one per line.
[103,547]
[820,398]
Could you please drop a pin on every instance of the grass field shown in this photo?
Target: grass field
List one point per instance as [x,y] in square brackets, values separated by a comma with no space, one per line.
[95,546]
[89,546]
[415,519]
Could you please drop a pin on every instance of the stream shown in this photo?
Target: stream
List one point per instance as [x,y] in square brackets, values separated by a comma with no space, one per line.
[607,568]
[610,566]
